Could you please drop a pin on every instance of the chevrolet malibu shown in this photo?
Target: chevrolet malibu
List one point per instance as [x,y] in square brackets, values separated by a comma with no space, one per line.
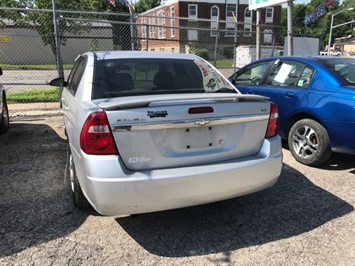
[156,131]
[315,97]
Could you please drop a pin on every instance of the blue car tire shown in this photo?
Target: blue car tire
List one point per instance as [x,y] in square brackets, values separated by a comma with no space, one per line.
[309,142]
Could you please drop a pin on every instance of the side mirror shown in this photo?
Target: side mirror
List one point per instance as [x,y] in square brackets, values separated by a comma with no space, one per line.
[0,71]
[58,82]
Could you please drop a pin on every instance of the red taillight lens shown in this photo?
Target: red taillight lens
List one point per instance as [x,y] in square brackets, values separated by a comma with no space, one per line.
[96,137]
[273,125]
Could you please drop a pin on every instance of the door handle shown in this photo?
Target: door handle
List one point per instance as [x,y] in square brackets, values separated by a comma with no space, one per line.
[290,94]
[250,92]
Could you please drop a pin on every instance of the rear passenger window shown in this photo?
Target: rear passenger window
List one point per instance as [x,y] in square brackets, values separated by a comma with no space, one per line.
[76,74]
[306,77]
[290,74]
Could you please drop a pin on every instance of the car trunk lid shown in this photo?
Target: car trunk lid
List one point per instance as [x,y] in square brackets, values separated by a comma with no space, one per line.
[163,131]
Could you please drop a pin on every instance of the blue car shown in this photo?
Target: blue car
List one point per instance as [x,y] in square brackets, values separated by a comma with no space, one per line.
[316,100]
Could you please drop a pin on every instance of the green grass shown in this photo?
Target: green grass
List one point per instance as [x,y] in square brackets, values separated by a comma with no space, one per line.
[34,96]
[226,63]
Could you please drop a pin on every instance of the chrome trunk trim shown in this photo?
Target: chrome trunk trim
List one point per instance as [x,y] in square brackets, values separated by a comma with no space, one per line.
[215,121]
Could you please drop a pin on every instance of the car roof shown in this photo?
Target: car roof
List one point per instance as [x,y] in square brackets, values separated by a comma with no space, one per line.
[107,55]
[304,58]
[315,61]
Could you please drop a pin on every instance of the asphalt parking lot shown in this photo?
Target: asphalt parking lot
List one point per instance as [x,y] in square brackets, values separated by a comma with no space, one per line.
[307,218]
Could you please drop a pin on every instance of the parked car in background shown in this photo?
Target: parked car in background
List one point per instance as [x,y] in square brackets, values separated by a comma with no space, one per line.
[316,101]
[332,52]
[155,131]
[4,115]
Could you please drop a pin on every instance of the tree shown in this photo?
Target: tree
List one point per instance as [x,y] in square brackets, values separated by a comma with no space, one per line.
[144,5]
[321,26]
[121,28]
[346,16]
[42,21]
[298,15]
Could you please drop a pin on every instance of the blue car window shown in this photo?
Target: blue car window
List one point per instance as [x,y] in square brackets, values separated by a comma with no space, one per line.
[289,74]
[305,78]
[342,67]
[346,70]
[253,74]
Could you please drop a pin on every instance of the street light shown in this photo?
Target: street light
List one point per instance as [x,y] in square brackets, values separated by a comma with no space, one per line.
[331,26]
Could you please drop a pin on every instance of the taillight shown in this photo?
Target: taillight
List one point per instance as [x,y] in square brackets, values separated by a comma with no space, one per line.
[273,124]
[96,137]
[201,110]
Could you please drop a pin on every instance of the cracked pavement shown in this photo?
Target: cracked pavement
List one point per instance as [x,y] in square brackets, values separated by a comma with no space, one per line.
[307,218]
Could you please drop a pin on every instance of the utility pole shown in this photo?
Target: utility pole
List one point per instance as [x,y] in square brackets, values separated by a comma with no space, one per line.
[258,33]
[289,27]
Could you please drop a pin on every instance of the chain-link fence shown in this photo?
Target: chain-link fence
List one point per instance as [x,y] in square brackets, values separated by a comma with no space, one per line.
[39,45]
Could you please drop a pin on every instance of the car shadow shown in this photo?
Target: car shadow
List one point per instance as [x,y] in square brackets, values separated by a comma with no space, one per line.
[35,203]
[291,207]
[337,162]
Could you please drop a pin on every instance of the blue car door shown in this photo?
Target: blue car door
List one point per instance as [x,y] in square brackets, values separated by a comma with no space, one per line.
[285,85]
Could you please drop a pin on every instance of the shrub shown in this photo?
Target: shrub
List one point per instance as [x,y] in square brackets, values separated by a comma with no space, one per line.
[202,53]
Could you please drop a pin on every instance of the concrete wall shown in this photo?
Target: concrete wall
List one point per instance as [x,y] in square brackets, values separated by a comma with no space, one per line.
[25,46]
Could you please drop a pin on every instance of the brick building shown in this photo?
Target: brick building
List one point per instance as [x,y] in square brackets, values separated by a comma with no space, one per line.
[176,23]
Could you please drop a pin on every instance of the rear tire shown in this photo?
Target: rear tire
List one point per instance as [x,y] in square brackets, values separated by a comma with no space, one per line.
[78,196]
[5,121]
[309,142]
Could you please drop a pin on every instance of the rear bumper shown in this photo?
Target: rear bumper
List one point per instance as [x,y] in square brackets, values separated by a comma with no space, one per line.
[112,191]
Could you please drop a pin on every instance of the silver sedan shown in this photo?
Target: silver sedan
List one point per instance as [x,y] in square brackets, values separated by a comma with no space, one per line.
[4,111]
[155,131]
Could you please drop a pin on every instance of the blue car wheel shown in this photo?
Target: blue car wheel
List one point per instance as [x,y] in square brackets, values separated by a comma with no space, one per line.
[309,142]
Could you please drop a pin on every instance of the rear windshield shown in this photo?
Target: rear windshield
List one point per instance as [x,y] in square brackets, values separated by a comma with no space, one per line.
[344,67]
[131,77]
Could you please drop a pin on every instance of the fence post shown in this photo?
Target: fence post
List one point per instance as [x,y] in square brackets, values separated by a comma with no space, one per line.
[57,42]
[58,60]
[133,39]
[235,42]
[147,38]
[216,44]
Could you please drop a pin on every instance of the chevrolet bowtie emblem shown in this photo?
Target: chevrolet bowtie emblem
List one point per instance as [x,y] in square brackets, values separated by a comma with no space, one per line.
[202,122]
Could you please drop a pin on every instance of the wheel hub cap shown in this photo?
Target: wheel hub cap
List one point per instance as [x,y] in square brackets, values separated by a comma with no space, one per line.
[305,142]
